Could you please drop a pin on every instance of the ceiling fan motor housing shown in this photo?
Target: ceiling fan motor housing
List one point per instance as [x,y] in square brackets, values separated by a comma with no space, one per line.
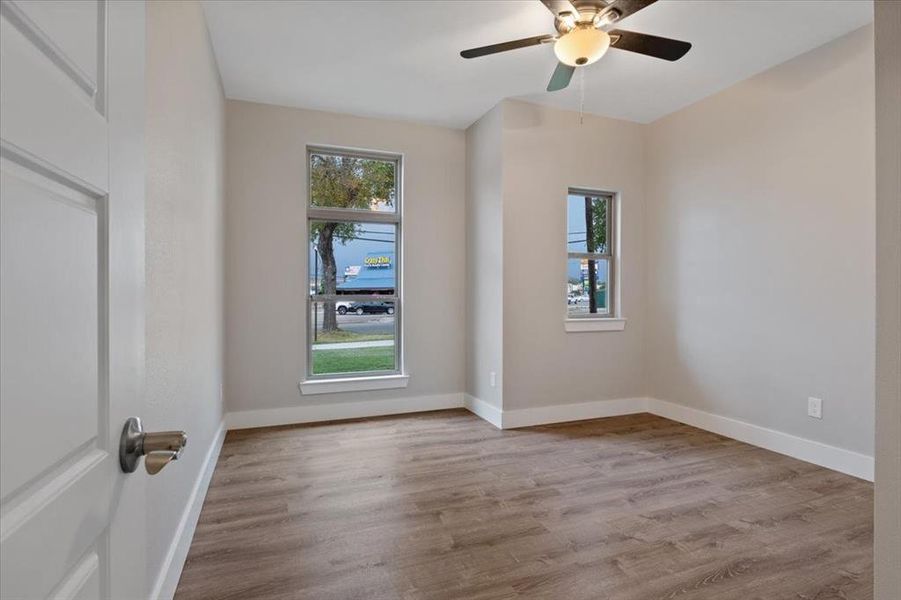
[597,13]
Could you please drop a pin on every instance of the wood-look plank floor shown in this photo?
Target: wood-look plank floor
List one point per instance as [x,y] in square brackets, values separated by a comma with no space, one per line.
[442,505]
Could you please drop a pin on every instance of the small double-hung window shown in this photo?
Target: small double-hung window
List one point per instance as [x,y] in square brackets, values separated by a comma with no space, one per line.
[590,251]
[354,233]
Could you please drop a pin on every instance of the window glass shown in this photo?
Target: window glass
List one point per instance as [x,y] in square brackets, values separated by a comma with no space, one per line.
[579,279]
[584,216]
[351,182]
[353,258]
[590,260]
[353,232]
[362,342]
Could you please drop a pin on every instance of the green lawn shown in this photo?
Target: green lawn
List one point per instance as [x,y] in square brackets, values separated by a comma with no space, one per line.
[353,360]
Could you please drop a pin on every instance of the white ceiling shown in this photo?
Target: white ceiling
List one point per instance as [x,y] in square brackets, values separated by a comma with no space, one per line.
[400,59]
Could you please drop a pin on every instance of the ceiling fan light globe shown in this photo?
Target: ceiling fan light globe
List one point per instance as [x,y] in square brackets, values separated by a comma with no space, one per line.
[582,46]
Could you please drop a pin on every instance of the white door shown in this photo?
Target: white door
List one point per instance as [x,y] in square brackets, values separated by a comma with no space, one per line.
[71,297]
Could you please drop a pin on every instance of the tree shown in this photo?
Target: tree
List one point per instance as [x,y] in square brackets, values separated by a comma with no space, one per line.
[343,182]
[596,240]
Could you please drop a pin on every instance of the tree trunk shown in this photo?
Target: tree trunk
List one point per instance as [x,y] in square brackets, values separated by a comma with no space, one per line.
[590,247]
[325,243]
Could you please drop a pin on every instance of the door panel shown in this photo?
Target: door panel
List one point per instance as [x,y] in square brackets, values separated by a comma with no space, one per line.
[83,583]
[71,249]
[74,27]
[50,315]
[64,125]
[55,526]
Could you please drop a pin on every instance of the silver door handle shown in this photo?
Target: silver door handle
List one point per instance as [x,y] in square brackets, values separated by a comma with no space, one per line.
[158,449]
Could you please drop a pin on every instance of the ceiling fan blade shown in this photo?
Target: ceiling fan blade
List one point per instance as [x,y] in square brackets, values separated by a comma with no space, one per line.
[624,8]
[504,46]
[560,78]
[559,7]
[650,45]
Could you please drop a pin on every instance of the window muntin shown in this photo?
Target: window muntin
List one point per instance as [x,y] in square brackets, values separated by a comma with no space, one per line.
[590,230]
[354,250]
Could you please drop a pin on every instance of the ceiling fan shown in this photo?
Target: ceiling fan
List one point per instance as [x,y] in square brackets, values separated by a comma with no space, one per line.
[585,34]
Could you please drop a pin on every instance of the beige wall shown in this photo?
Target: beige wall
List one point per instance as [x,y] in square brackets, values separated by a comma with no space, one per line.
[184,254]
[888,300]
[761,248]
[545,152]
[484,258]
[266,270]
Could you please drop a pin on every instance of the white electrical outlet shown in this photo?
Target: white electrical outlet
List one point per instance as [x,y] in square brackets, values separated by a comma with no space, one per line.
[815,408]
[492,379]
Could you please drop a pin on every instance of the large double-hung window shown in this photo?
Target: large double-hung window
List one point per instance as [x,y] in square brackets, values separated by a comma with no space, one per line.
[354,234]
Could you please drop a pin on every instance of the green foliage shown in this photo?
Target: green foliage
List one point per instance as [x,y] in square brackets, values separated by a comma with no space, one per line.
[348,182]
[343,232]
[598,243]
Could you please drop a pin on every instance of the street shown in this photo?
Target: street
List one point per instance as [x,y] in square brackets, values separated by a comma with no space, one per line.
[362,324]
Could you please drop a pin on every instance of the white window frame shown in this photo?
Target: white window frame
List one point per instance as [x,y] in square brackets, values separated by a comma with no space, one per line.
[612,320]
[340,382]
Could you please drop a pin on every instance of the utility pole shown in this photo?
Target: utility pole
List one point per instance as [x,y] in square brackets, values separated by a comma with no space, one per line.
[315,291]
[589,244]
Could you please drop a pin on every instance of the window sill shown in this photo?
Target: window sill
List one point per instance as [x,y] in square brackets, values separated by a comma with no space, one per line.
[584,325]
[353,384]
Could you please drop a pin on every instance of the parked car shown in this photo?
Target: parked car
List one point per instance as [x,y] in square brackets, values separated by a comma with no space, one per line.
[371,308]
[342,307]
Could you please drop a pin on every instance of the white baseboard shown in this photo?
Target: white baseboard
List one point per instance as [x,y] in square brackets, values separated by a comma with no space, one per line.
[167,579]
[824,455]
[542,415]
[831,457]
[486,411]
[334,411]
[561,413]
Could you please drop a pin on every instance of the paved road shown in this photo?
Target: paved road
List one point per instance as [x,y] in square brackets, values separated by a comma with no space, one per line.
[370,324]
